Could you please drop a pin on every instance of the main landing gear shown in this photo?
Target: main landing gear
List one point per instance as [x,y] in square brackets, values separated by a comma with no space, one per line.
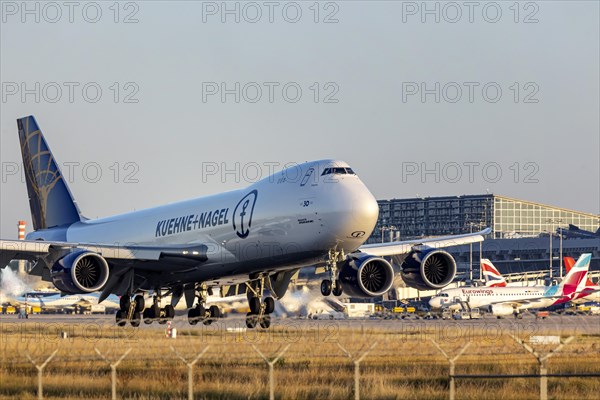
[332,285]
[260,311]
[132,311]
[156,313]
[200,313]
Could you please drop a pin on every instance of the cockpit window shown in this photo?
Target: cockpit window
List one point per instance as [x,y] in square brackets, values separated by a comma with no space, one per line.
[338,170]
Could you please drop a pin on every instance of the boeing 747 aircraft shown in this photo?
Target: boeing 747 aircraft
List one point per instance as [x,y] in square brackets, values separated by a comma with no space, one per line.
[245,241]
[511,300]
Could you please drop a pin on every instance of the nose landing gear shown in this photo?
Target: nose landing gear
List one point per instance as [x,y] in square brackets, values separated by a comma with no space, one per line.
[333,285]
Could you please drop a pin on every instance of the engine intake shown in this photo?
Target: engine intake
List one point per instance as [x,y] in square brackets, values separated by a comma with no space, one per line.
[80,272]
[366,276]
[427,268]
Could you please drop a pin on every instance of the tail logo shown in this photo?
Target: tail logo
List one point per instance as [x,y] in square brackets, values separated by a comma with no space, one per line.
[242,214]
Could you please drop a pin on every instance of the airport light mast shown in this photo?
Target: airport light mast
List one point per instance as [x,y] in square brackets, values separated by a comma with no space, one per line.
[551,233]
[384,228]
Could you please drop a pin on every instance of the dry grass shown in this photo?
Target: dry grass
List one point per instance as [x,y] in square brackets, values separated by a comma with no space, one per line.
[403,365]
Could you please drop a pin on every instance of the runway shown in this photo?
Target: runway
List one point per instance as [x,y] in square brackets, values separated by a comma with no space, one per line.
[562,325]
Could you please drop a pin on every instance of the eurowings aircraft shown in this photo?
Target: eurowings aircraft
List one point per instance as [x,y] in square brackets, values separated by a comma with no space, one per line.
[511,300]
[252,240]
[590,291]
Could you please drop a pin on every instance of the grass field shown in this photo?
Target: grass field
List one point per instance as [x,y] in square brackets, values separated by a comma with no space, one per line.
[404,364]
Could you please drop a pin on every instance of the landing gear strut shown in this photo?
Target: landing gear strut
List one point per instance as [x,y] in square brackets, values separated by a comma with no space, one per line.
[332,285]
[259,310]
[200,313]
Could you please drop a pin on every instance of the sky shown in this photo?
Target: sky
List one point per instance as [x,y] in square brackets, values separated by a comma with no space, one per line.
[149,102]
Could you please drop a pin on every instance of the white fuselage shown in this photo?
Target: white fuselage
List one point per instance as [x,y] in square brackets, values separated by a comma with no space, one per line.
[287,220]
[541,296]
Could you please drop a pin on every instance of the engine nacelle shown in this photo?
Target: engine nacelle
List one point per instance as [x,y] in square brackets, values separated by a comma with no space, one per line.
[501,309]
[80,272]
[426,268]
[366,276]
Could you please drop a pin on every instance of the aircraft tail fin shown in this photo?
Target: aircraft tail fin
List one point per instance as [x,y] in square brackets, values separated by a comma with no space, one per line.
[569,262]
[576,277]
[50,199]
[492,276]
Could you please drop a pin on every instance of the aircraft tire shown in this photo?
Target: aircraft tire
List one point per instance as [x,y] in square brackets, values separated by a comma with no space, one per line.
[155,311]
[265,321]
[121,321]
[215,312]
[269,305]
[169,312]
[326,287]
[337,290]
[193,316]
[251,320]
[124,303]
[147,314]
[254,304]
[136,319]
[140,304]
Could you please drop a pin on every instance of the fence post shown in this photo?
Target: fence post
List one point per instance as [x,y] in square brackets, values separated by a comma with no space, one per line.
[357,367]
[542,361]
[190,366]
[452,362]
[113,370]
[40,369]
[271,364]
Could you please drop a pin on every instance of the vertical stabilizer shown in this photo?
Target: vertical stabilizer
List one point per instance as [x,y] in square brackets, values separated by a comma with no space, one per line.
[50,200]
[492,277]
[577,276]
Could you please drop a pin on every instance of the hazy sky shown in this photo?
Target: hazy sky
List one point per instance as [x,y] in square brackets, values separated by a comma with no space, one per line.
[487,97]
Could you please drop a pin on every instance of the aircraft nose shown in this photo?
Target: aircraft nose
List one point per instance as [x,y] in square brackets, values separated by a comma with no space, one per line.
[365,209]
[349,211]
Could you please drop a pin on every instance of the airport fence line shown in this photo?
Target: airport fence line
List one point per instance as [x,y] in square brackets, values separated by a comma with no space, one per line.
[251,354]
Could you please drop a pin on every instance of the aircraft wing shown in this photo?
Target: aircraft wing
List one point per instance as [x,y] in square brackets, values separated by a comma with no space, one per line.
[34,250]
[404,247]
[127,261]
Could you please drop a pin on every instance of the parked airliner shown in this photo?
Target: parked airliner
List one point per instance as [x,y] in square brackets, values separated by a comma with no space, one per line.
[589,292]
[248,241]
[511,300]
[491,275]
[53,301]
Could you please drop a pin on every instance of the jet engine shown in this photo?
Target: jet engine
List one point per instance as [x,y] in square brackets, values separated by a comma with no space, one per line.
[80,272]
[366,276]
[501,310]
[426,268]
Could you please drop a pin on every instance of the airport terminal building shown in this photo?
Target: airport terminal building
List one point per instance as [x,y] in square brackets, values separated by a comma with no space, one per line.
[521,230]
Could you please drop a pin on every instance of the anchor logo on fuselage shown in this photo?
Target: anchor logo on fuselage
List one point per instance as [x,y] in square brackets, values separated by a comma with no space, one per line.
[242,214]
